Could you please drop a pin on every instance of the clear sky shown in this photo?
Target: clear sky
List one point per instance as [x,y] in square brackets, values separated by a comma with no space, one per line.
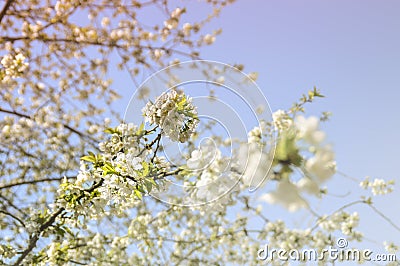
[348,49]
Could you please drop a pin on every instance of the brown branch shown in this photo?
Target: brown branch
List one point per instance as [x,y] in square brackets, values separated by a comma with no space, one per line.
[11,204]
[28,182]
[5,8]
[77,262]
[150,145]
[34,239]
[91,189]
[13,216]
[157,147]
[64,40]
[110,44]
[77,132]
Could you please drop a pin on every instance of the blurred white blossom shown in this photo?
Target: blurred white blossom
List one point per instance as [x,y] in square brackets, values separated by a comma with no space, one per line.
[287,195]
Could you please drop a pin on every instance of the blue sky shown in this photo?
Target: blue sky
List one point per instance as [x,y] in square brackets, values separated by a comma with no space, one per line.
[348,49]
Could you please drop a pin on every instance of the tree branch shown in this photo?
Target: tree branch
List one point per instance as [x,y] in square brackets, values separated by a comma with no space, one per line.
[384,217]
[27,182]
[34,239]
[13,216]
[5,8]
[77,132]
[11,204]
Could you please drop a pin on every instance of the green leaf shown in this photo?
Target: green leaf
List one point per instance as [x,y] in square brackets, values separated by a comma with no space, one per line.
[60,231]
[98,157]
[108,169]
[213,236]
[149,185]
[89,158]
[317,93]
[138,194]
[140,188]
[146,169]
[108,166]
[287,151]
[141,129]
[111,131]
[181,104]
[151,180]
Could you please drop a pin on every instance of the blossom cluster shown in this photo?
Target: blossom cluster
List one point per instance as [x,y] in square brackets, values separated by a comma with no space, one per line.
[13,66]
[300,147]
[213,176]
[119,175]
[129,166]
[281,120]
[378,186]
[281,237]
[174,113]
[343,221]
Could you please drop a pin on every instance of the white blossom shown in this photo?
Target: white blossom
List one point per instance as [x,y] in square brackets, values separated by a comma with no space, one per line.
[308,129]
[281,120]
[174,113]
[14,66]
[322,165]
[253,164]
[309,186]
[204,157]
[105,21]
[209,39]
[287,195]
[254,135]
[378,186]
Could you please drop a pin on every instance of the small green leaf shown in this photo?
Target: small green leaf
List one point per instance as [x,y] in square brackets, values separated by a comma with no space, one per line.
[111,131]
[108,166]
[141,129]
[140,188]
[181,104]
[60,231]
[149,185]
[317,93]
[146,169]
[213,236]
[138,194]
[151,180]
[88,158]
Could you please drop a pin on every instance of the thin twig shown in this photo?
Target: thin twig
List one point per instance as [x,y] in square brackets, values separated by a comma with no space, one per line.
[28,182]
[5,8]
[13,216]
[81,134]
[338,210]
[35,237]
[384,217]
[157,147]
